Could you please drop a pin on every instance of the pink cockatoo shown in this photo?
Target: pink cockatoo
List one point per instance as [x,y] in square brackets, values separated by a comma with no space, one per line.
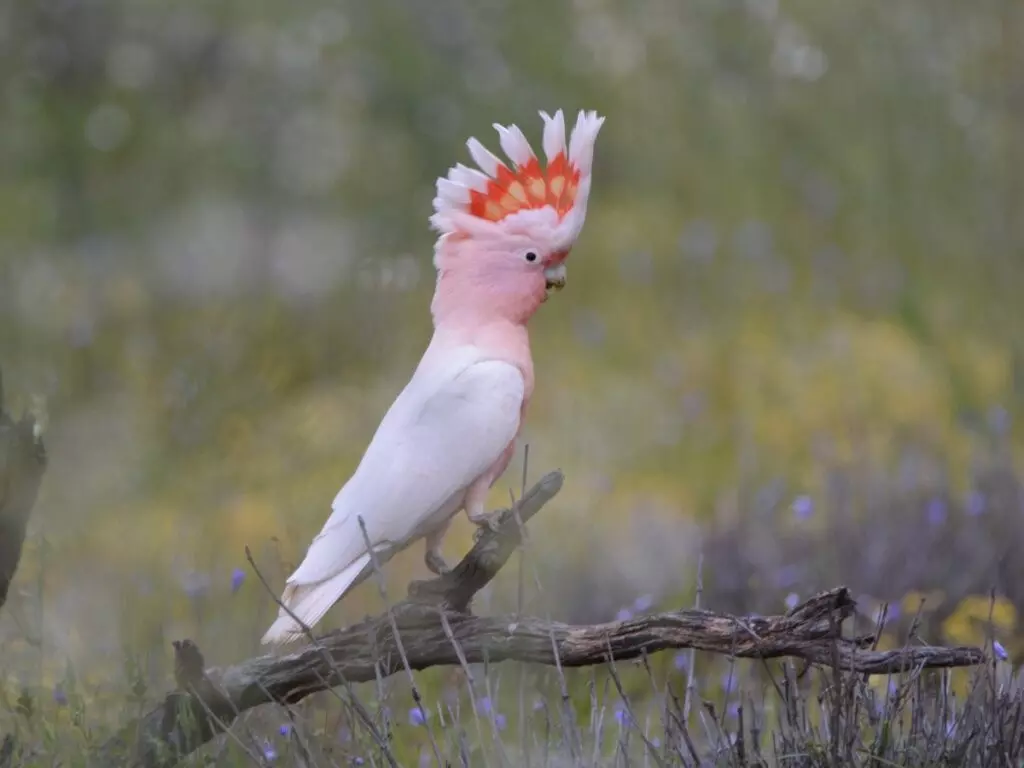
[505,232]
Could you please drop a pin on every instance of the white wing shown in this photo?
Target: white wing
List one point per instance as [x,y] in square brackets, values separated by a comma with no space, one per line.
[430,445]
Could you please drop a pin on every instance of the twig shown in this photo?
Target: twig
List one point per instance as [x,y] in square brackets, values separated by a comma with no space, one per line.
[382,588]
[360,652]
[632,721]
[354,701]
[687,696]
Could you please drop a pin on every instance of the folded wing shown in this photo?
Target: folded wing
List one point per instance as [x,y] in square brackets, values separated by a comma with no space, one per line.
[436,439]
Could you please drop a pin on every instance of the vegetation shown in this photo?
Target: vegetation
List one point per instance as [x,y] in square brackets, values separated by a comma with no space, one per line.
[790,345]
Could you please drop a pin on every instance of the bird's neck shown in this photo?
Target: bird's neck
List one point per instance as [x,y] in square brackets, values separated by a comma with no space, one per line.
[498,338]
[467,297]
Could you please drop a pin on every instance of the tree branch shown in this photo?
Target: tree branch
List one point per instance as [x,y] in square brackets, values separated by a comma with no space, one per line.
[22,463]
[209,700]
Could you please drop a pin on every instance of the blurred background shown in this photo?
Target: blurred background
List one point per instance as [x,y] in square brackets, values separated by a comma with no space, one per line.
[792,341]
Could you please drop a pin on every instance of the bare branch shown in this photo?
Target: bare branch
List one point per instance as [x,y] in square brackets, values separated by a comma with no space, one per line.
[437,630]
[455,590]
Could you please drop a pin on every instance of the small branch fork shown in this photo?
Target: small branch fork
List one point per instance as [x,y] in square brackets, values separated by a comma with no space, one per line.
[437,629]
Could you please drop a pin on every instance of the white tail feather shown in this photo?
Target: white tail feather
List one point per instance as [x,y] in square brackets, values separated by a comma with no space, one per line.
[309,602]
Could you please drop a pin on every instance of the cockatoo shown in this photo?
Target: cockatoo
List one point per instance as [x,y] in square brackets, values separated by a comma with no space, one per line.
[505,232]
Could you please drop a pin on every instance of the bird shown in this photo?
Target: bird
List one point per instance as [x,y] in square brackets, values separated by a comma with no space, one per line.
[504,234]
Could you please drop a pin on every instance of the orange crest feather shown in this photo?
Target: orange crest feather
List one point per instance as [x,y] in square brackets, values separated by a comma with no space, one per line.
[527,187]
[471,200]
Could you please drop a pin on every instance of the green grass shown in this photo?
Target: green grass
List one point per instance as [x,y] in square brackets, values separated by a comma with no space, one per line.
[794,281]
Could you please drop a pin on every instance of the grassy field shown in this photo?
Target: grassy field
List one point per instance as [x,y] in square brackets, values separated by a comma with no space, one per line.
[791,346]
[669,708]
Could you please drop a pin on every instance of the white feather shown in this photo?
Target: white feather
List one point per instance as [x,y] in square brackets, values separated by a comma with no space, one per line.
[451,206]
[583,139]
[454,193]
[453,220]
[514,144]
[449,425]
[310,602]
[489,162]
[469,177]
[581,143]
[554,134]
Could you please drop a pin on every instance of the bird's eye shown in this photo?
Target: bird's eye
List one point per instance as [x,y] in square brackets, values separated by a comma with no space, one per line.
[531,256]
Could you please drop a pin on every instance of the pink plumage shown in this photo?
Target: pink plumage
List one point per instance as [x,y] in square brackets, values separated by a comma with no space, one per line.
[505,233]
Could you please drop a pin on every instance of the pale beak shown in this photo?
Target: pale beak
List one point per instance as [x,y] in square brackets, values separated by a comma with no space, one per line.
[555,277]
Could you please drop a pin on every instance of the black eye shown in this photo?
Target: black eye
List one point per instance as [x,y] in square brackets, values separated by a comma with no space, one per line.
[531,256]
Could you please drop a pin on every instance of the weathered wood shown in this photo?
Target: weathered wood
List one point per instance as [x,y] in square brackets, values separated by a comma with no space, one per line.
[22,463]
[209,700]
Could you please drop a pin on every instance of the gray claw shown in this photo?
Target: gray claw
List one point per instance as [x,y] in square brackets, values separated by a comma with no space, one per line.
[486,523]
[436,563]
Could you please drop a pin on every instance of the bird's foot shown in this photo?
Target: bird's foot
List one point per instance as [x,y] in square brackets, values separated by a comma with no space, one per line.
[486,521]
[436,563]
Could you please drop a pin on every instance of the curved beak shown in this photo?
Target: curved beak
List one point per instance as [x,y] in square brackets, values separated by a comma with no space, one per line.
[555,277]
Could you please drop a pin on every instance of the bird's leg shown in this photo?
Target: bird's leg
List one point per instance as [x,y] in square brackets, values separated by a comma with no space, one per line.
[433,558]
[477,513]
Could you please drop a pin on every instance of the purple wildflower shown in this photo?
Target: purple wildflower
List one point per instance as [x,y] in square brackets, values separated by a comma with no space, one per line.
[285,729]
[59,696]
[269,753]
[237,578]
[803,507]
[891,613]
[484,704]
[643,603]
[656,742]
[195,584]
[500,721]
[680,660]
[792,600]
[975,503]
[624,614]
[357,760]
[418,716]
[937,511]
[788,575]
[999,419]
[1000,651]
[729,681]
[621,715]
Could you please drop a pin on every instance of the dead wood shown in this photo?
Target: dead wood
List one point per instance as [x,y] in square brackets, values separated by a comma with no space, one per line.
[22,463]
[208,700]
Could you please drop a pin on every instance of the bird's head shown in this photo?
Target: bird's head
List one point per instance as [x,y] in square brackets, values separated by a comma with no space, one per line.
[506,230]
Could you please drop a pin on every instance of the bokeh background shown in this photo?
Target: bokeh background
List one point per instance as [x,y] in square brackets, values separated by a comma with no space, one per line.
[791,343]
